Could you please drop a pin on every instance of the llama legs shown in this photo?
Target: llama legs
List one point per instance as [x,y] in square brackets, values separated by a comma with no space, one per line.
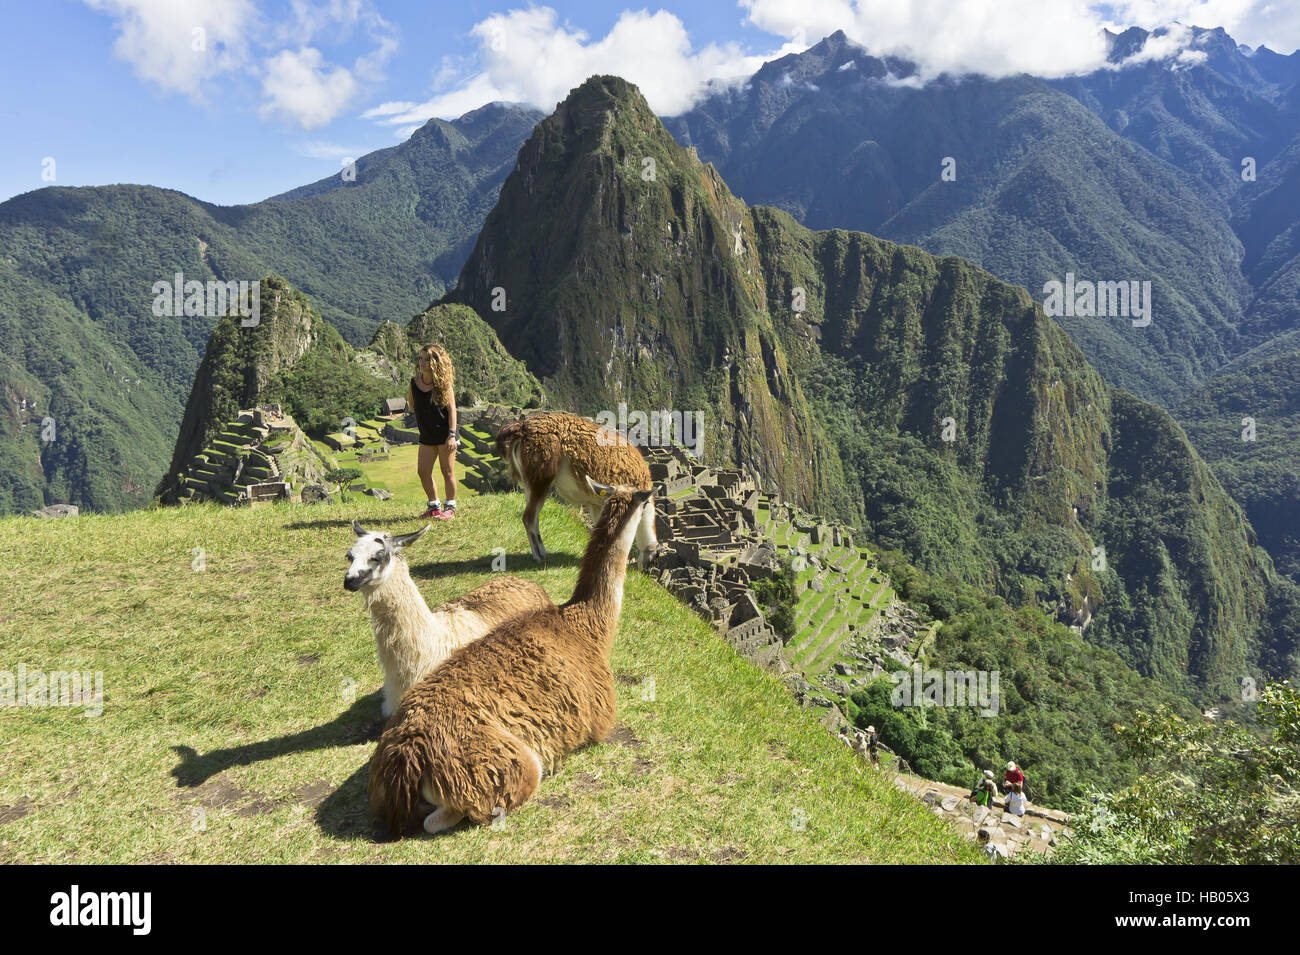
[441,819]
[536,498]
[646,542]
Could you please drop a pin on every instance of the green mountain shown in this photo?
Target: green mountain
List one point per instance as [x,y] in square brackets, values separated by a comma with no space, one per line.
[1042,187]
[485,371]
[1134,170]
[1204,113]
[81,341]
[834,364]
[1246,423]
[1268,221]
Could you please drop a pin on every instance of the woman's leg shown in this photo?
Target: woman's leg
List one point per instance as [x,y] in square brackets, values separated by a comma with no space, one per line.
[425,457]
[447,462]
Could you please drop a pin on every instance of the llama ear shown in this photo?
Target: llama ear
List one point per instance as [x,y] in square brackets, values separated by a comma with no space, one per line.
[600,490]
[358,529]
[402,540]
[640,497]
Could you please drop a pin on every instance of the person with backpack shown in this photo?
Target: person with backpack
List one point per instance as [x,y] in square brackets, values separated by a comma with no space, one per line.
[866,743]
[985,790]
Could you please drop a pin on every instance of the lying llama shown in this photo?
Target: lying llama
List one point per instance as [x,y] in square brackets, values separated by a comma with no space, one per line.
[411,638]
[560,450]
[474,736]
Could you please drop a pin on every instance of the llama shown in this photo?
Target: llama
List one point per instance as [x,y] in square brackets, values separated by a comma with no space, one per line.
[473,738]
[411,638]
[554,449]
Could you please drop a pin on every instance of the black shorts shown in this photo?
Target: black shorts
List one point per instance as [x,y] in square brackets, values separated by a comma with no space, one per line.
[436,428]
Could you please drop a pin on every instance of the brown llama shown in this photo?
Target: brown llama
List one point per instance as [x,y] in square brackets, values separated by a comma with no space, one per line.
[554,449]
[411,638]
[473,738]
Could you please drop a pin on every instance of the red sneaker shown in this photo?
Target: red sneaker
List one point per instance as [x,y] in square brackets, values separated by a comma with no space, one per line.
[447,513]
[435,512]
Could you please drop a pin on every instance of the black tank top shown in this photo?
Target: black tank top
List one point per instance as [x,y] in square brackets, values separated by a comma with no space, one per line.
[432,419]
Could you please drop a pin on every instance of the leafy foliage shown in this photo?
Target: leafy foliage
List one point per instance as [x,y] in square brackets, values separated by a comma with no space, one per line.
[1210,792]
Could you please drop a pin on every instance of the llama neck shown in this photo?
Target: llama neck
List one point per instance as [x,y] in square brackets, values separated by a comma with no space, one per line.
[396,605]
[598,597]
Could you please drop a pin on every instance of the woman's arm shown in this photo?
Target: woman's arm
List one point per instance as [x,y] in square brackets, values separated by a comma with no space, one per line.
[450,397]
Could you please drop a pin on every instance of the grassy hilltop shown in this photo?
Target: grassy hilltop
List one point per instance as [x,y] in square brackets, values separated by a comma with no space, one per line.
[237,701]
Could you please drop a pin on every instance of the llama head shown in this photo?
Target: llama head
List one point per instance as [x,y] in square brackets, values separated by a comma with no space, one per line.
[371,558]
[620,513]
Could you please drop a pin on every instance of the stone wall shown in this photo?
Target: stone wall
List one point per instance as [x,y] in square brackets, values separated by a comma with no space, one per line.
[711,550]
[259,456]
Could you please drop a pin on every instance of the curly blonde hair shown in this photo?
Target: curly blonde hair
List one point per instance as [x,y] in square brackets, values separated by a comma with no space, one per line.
[441,373]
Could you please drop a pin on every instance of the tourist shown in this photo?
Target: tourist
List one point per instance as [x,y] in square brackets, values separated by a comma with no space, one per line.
[1015,802]
[433,401]
[986,846]
[866,744]
[1014,780]
[985,791]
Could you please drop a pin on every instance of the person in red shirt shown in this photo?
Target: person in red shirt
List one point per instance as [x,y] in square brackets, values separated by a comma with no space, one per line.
[1014,780]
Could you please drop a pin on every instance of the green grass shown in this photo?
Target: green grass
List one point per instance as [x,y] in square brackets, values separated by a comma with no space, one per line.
[261,670]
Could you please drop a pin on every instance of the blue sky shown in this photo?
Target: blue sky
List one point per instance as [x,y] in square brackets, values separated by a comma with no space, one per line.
[235,100]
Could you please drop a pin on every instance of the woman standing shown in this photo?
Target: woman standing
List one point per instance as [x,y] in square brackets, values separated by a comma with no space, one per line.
[433,399]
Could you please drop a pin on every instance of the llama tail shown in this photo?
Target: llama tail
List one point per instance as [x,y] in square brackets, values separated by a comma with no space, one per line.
[401,762]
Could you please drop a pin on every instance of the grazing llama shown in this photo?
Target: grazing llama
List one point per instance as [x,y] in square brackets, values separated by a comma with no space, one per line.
[473,738]
[554,449]
[411,638]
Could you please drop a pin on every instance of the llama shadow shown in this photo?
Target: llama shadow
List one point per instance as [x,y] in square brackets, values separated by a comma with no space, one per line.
[345,814]
[515,563]
[359,723]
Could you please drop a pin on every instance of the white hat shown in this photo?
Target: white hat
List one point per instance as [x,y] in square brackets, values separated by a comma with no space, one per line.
[871,729]
[988,773]
[1010,766]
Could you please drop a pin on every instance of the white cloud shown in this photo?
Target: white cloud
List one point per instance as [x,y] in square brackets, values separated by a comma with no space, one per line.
[531,56]
[301,86]
[388,109]
[1271,23]
[179,44]
[528,56]
[993,37]
[1165,45]
[1044,37]
[183,46]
